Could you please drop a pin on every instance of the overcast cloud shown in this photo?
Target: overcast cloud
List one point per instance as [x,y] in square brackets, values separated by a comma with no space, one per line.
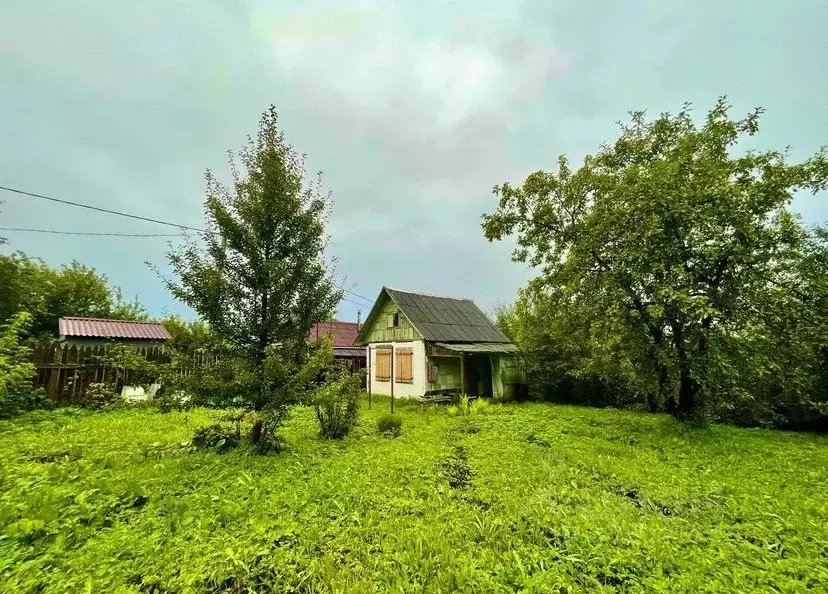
[413,110]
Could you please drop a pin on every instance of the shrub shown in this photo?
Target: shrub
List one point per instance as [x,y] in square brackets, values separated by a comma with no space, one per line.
[99,395]
[16,369]
[264,434]
[169,400]
[390,425]
[337,406]
[218,437]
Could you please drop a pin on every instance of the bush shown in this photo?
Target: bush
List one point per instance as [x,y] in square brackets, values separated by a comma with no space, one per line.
[169,400]
[390,425]
[16,369]
[337,406]
[263,432]
[100,396]
[218,437]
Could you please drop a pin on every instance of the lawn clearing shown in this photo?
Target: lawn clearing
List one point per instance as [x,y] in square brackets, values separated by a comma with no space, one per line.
[531,497]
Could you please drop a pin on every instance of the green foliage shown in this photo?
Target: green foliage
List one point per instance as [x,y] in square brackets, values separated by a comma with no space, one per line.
[600,500]
[100,396]
[16,369]
[672,271]
[48,294]
[390,425]
[214,437]
[259,277]
[455,469]
[481,406]
[336,404]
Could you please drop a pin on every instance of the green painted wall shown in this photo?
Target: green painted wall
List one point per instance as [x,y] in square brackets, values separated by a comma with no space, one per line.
[512,373]
[448,373]
[381,333]
[497,376]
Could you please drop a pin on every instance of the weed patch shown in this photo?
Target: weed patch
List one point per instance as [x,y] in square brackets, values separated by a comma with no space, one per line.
[455,469]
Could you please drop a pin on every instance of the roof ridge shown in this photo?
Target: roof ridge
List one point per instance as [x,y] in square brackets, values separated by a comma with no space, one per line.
[430,294]
[111,320]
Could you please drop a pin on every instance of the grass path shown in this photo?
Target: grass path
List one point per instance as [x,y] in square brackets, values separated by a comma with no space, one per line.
[525,497]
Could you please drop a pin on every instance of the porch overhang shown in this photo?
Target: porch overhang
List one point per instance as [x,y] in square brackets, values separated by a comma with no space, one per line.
[478,347]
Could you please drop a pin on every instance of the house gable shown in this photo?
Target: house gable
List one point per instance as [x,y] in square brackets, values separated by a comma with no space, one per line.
[431,318]
[376,327]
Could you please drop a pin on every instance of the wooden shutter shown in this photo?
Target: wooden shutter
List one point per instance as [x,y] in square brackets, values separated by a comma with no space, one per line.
[382,371]
[404,371]
[432,372]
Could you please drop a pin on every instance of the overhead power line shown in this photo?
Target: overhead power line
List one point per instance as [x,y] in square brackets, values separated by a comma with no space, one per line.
[56,232]
[358,295]
[121,214]
[99,209]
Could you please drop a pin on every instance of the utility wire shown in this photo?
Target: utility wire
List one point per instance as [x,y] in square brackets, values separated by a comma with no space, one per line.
[55,232]
[122,214]
[99,209]
[358,295]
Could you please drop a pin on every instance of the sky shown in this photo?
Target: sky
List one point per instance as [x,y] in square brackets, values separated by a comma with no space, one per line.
[413,111]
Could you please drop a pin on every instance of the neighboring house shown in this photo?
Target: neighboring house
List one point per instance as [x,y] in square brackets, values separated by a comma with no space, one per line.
[422,345]
[67,367]
[343,335]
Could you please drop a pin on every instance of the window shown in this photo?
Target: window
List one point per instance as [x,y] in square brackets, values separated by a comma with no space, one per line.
[404,371]
[382,370]
[394,320]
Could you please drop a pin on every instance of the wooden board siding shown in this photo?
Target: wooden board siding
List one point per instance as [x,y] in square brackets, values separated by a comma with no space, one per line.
[380,331]
[448,373]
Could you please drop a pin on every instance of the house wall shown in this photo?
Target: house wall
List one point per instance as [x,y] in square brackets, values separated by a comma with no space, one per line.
[418,369]
[448,373]
[380,332]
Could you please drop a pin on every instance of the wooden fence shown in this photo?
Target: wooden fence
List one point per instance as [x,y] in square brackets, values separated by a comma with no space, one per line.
[66,371]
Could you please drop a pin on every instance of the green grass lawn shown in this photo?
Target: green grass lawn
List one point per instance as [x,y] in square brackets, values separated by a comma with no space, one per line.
[525,497]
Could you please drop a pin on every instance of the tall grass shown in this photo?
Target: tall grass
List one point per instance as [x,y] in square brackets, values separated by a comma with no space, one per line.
[522,497]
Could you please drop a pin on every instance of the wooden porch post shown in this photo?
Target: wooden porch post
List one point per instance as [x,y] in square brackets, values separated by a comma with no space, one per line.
[368,375]
[462,374]
[392,378]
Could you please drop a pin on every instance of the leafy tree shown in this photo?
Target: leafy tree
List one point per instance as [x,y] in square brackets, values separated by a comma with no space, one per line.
[664,243]
[260,279]
[48,294]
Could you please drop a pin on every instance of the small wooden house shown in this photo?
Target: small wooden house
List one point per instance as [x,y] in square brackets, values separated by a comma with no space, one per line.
[421,345]
[343,335]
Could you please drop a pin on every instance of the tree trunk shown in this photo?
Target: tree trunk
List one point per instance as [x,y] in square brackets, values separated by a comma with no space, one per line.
[688,393]
[689,387]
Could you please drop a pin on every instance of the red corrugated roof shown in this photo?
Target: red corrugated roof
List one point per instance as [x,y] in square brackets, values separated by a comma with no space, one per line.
[102,328]
[344,333]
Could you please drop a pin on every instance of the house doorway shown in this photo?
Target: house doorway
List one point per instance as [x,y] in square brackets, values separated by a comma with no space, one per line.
[478,380]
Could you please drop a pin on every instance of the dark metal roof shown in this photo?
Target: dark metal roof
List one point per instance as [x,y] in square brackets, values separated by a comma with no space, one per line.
[103,328]
[445,319]
[480,347]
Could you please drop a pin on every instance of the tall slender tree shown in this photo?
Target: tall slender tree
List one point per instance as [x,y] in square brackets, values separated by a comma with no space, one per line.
[259,276]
